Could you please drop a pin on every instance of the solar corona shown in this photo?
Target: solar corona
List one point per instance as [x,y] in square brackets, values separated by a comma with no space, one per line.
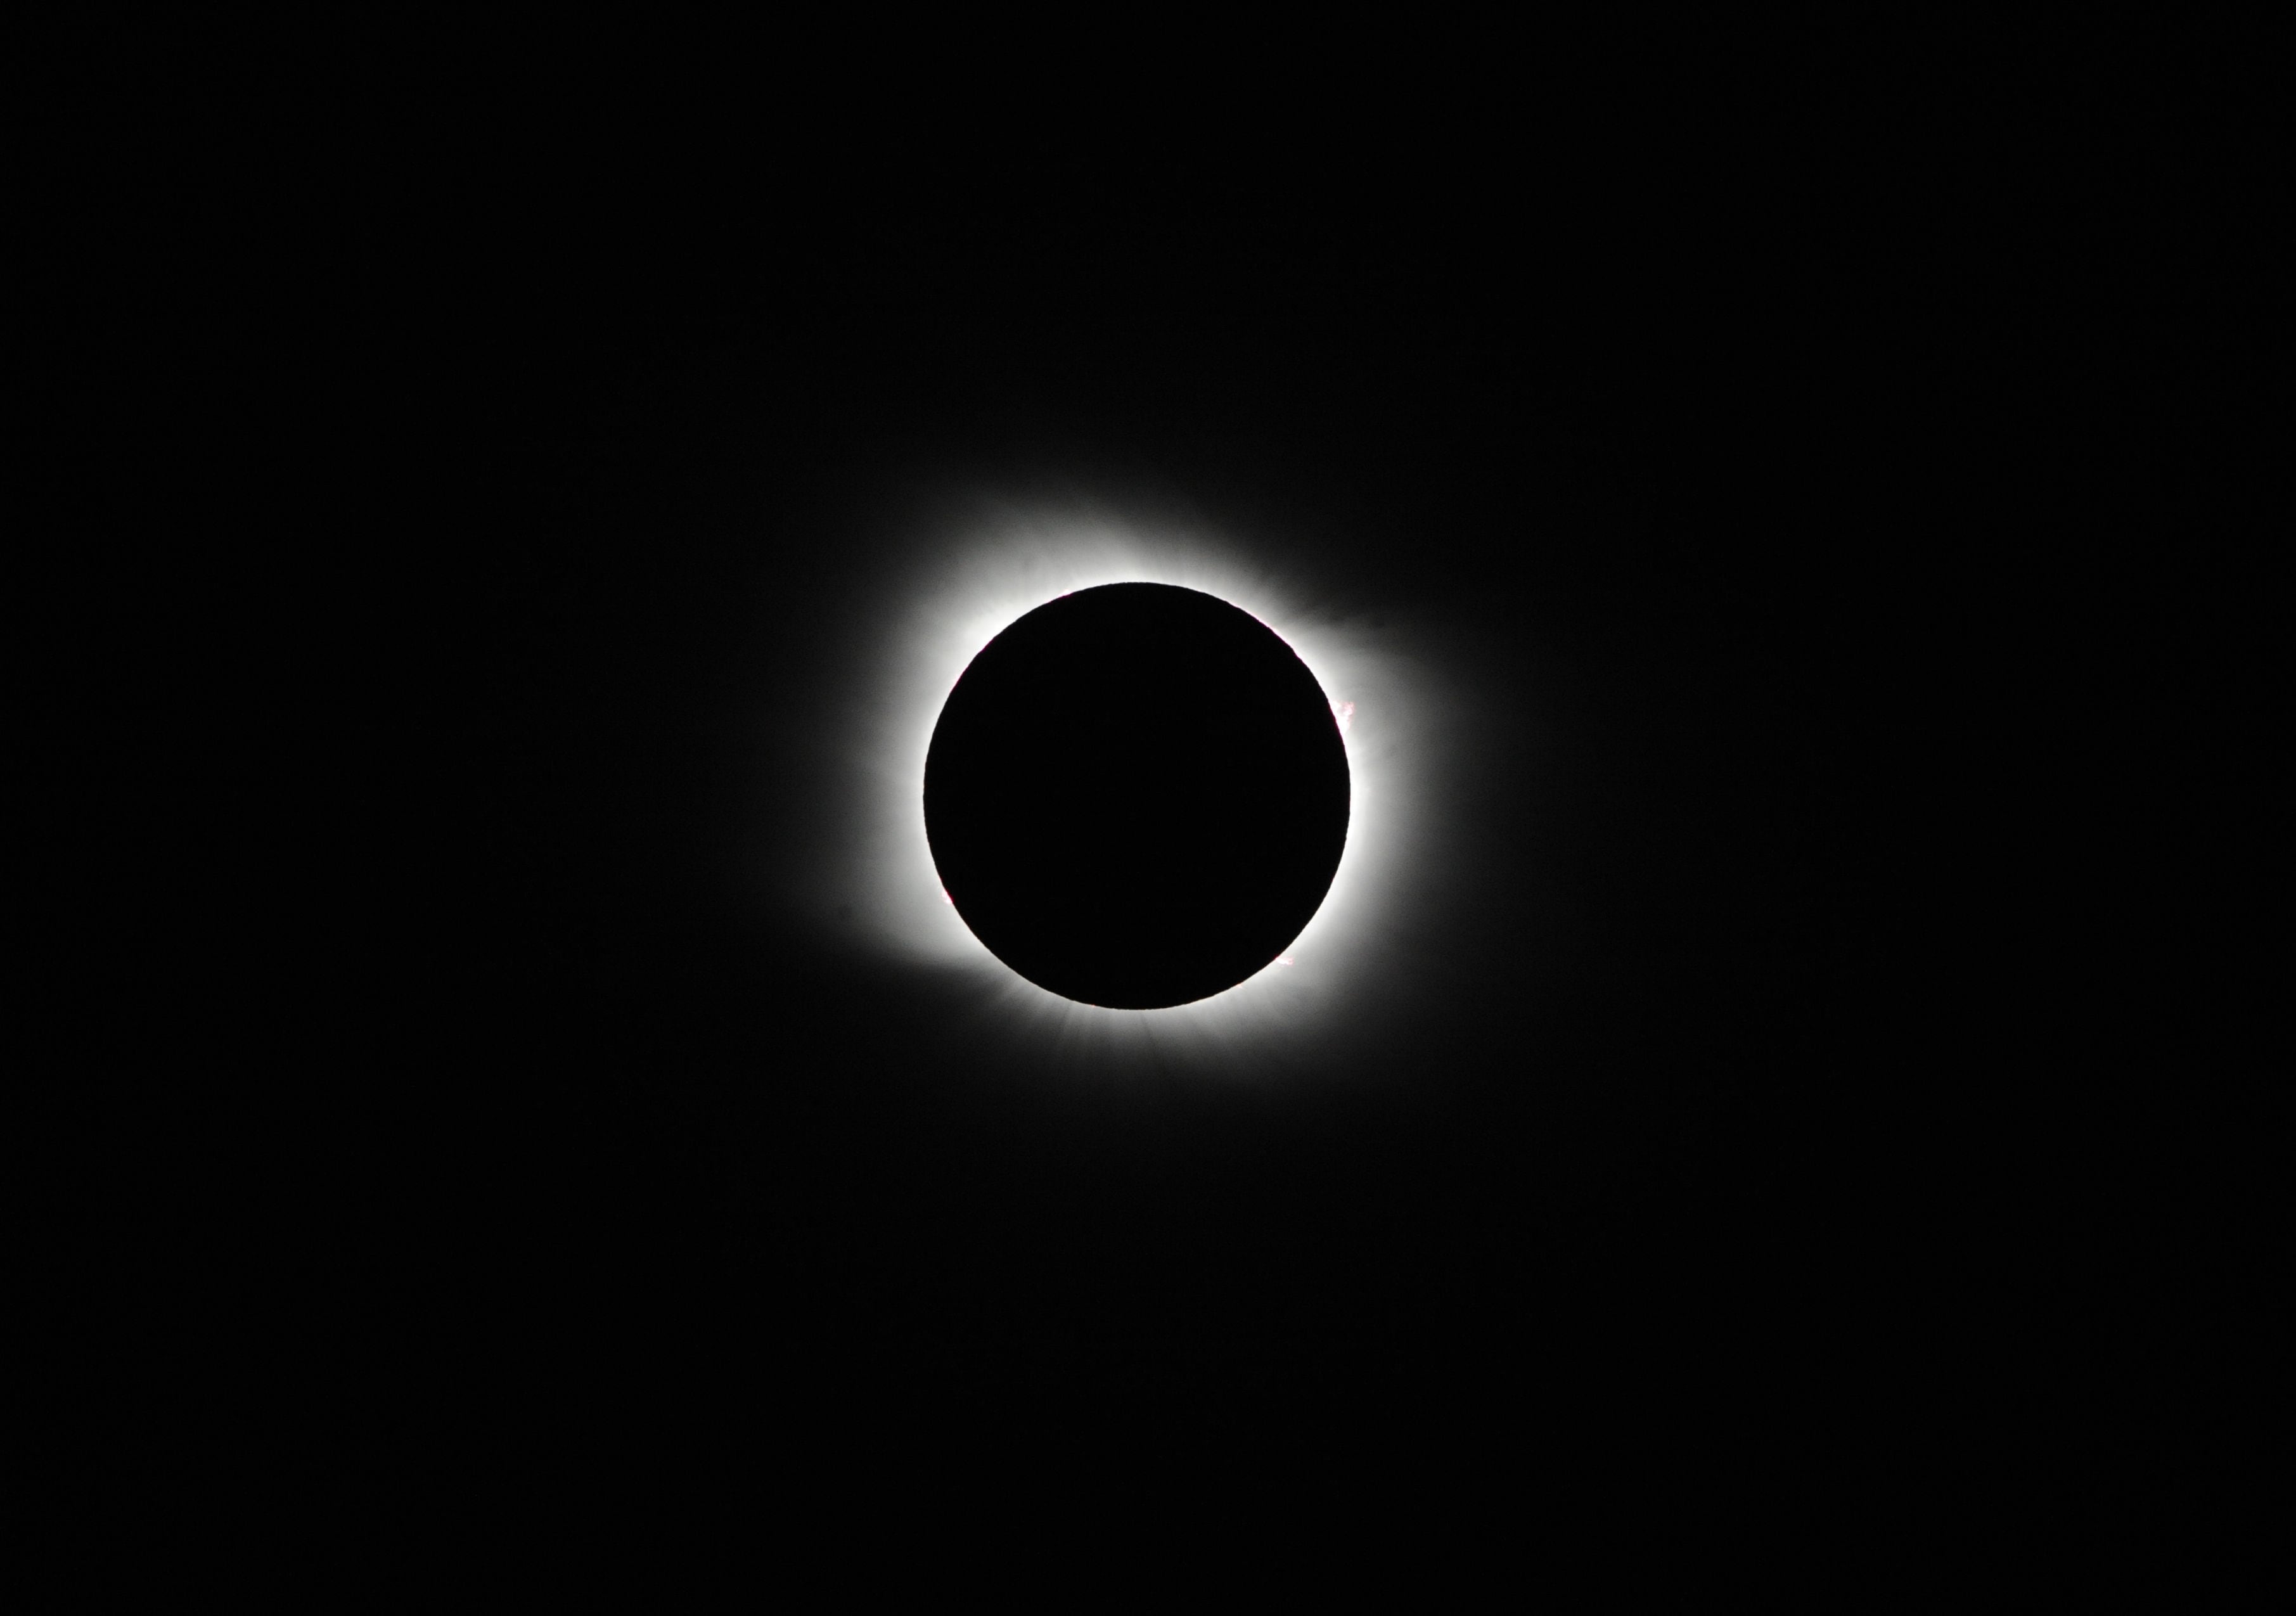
[1188,823]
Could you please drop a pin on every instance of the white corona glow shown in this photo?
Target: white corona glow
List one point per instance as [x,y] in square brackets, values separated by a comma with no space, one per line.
[939,605]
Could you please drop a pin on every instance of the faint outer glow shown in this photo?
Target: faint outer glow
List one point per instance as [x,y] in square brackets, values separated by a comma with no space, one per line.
[936,607]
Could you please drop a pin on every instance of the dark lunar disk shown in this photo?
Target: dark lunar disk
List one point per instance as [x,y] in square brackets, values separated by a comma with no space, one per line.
[1136,796]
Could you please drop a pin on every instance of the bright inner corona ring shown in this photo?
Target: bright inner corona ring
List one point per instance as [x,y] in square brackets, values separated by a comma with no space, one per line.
[939,605]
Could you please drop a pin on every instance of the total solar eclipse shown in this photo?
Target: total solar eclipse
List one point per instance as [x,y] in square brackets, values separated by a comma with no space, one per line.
[1136,796]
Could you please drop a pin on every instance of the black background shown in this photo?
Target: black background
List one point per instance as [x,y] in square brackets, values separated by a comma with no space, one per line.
[1704,456]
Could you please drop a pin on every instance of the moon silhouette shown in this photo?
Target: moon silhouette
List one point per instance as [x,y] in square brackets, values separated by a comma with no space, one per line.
[1136,796]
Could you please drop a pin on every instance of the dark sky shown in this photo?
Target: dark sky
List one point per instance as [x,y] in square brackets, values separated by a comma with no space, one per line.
[1587,441]
[1655,449]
